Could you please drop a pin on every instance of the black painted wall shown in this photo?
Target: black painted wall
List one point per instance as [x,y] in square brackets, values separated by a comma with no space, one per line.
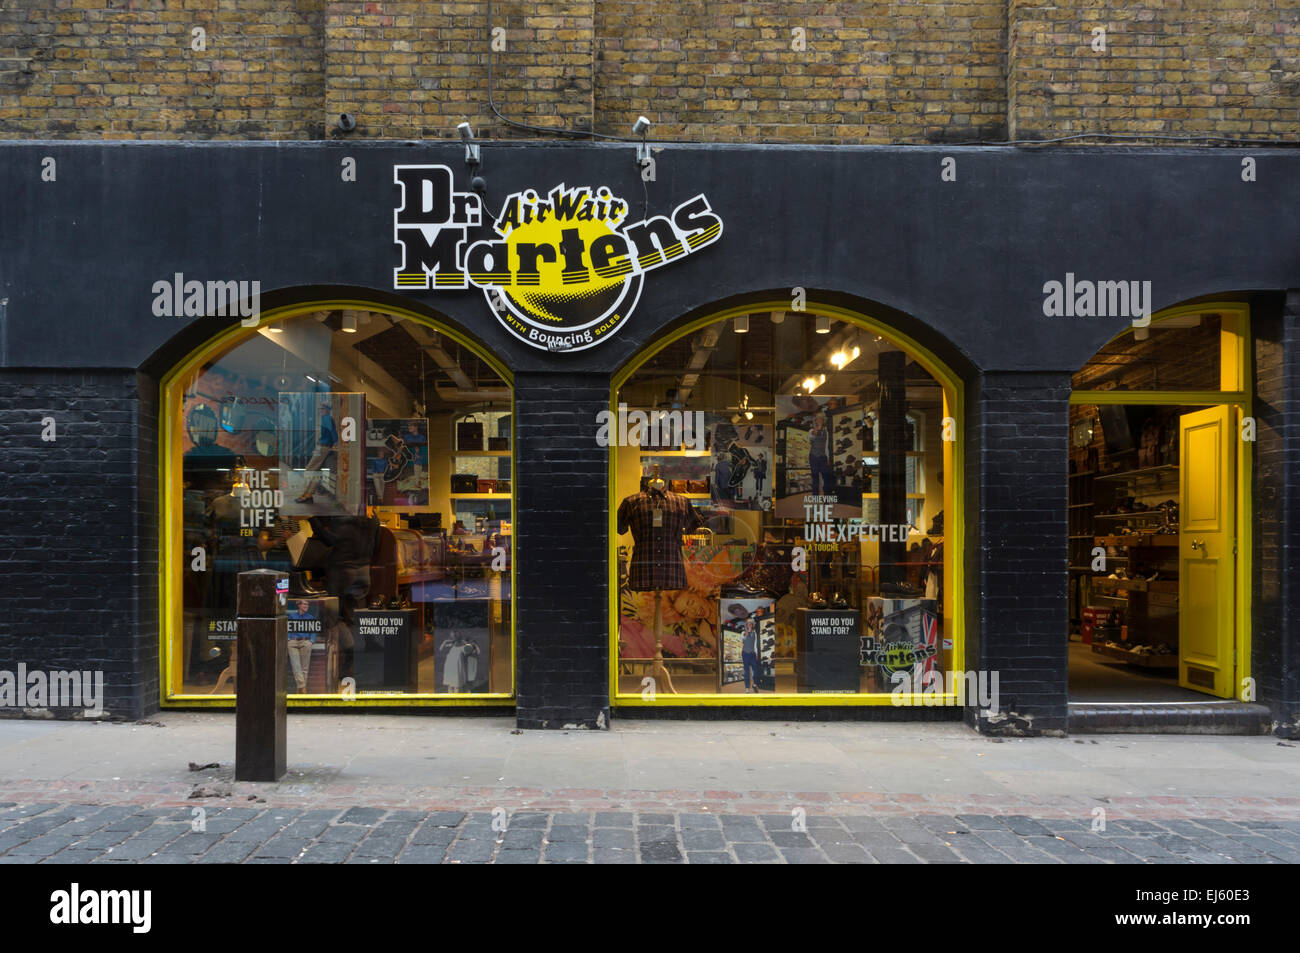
[78,537]
[561,568]
[1275,652]
[959,266]
[1021,530]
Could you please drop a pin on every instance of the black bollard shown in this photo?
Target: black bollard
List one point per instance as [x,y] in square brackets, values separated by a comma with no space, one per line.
[262,646]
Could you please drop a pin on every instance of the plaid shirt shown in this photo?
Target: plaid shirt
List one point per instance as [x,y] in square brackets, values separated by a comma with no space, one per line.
[657,551]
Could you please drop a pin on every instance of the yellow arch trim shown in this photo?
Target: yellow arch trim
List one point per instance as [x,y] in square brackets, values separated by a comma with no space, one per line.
[954,518]
[170,609]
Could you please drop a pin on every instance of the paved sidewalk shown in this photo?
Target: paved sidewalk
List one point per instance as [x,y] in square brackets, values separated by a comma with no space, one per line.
[379,789]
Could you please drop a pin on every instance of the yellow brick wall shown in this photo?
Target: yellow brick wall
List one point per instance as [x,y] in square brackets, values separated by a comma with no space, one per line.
[1170,67]
[415,70]
[902,71]
[867,72]
[127,69]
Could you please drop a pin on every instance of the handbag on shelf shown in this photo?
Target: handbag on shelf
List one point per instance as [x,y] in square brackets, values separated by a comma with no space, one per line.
[464,483]
[498,443]
[469,434]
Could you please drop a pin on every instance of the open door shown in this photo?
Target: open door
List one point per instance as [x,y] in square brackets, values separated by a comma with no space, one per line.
[1207,543]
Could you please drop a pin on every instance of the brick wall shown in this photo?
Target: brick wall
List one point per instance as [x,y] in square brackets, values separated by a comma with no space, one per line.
[415,70]
[561,577]
[868,72]
[127,69]
[1195,67]
[881,72]
[1020,577]
[1274,664]
[78,557]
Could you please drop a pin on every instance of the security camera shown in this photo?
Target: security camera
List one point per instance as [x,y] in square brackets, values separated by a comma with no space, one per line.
[641,126]
[479,185]
[466,133]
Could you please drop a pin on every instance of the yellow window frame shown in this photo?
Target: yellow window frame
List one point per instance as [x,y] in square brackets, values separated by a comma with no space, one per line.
[170,601]
[954,527]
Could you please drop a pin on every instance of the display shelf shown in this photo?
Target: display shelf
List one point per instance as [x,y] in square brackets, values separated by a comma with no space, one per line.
[1136,585]
[1128,516]
[1134,658]
[481,453]
[1138,539]
[1157,474]
[479,496]
[1079,506]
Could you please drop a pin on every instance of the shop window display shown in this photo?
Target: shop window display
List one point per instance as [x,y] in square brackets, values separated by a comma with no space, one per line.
[326,445]
[779,514]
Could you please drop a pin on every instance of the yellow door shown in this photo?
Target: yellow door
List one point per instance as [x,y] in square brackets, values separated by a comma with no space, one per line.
[1207,542]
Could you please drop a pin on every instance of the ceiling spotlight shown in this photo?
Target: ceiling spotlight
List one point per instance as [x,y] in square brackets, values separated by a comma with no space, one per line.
[778,317]
[349,322]
[471,147]
[845,356]
[742,324]
[823,324]
[810,384]
[1141,334]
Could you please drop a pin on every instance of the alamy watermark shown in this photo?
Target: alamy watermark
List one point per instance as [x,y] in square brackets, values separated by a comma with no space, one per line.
[35,688]
[1098,299]
[179,298]
[651,428]
[930,689]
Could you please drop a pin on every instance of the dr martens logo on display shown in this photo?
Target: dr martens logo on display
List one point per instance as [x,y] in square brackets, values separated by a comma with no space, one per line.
[562,270]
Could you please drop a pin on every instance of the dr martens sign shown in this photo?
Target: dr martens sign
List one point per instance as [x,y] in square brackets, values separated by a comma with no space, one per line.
[562,270]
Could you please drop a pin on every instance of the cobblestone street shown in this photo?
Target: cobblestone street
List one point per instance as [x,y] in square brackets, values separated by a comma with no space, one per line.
[384,789]
[85,833]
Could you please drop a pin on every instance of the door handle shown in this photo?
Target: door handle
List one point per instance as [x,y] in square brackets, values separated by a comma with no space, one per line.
[1198,544]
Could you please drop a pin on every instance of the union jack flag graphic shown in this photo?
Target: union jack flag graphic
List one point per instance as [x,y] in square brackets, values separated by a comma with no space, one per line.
[929,643]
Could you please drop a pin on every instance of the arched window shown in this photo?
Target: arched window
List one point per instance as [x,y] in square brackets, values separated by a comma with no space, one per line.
[332,444]
[778,514]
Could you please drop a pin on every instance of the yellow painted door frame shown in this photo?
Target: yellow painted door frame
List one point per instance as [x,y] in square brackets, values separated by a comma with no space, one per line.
[1234,397]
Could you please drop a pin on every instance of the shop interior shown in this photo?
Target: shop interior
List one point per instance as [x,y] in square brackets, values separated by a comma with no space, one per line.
[794,407]
[369,456]
[1132,473]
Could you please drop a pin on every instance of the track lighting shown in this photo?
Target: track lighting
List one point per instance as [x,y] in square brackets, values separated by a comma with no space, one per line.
[823,324]
[742,324]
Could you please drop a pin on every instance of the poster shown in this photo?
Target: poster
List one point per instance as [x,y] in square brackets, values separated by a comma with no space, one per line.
[397,461]
[687,624]
[741,464]
[321,438]
[819,445]
[754,621]
[900,640]
[462,660]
